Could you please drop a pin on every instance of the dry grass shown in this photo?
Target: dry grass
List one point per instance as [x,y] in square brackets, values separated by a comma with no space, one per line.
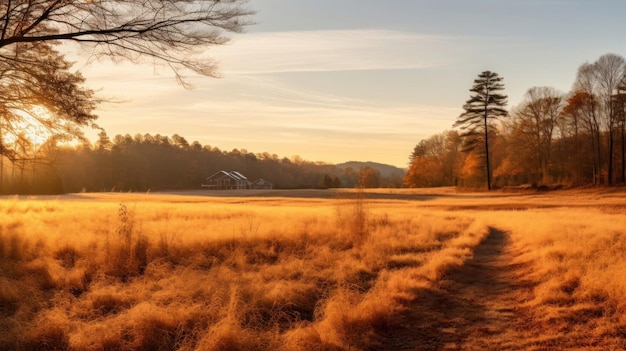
[575,259]
[320,271]
[159,272]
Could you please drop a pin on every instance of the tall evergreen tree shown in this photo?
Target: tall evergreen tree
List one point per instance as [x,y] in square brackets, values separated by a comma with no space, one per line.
[485,105]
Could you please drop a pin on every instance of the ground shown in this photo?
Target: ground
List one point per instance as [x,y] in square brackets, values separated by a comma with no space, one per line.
[399,269]
[475,307]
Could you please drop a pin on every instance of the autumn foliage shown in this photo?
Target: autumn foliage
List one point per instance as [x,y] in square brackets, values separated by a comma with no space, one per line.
[550,138]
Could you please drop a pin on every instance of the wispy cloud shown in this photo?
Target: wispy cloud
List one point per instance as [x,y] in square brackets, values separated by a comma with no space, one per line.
[324,116]
[330,50]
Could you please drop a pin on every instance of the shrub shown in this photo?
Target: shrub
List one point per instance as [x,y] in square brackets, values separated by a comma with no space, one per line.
[127,254]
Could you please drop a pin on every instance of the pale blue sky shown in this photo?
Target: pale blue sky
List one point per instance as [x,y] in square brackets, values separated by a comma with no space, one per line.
[341,80]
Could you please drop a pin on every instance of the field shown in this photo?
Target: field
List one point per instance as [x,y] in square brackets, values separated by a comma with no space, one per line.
[314,270]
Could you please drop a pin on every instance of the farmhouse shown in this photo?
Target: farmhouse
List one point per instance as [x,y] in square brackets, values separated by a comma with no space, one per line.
[226,180]
[233,180]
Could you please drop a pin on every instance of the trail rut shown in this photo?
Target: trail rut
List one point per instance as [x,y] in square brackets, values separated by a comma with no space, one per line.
[474,307]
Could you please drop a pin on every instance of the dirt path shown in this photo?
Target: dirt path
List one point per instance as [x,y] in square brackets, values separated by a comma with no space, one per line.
[474,308]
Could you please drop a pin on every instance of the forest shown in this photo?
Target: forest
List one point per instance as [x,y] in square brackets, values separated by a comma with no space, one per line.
[549,139]
[155,162]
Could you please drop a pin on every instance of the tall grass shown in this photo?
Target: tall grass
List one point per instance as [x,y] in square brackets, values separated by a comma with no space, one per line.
[575,262]
[178,273]
[138,272]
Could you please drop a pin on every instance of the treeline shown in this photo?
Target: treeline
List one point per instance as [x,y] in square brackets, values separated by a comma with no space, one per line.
[550,138]
[155,162]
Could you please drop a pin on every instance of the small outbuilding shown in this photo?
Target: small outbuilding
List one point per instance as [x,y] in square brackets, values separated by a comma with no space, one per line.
[261,184]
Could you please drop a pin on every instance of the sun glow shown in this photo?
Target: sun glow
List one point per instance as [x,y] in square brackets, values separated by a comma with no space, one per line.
[30,127]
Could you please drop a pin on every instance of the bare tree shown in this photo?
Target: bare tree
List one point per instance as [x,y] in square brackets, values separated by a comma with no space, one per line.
[537,118]
[609,71]
[585,101]
[175,33]
[578,119]
[619,106]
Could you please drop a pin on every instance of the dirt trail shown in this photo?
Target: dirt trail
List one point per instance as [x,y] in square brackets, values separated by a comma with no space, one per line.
[474,308]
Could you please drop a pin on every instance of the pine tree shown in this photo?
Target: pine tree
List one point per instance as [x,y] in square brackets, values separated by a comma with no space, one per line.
[484,106]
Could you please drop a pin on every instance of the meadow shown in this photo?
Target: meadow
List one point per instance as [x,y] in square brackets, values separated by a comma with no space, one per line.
[314,270]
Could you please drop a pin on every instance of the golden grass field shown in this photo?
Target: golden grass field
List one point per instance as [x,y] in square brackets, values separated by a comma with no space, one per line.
[314,270]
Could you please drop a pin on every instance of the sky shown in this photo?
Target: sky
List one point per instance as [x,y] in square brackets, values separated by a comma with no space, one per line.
[358,80]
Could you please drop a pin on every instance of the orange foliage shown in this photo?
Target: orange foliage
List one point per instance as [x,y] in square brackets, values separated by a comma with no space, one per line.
[472,172]
[424,171]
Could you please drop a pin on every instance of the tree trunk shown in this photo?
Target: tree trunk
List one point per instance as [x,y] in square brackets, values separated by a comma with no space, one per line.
[487,147]
[1,159]
[623,149]
[579,171]
[622,122]
[599,155]
[610,167]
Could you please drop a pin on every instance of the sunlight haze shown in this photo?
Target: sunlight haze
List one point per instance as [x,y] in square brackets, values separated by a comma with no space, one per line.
[337,81]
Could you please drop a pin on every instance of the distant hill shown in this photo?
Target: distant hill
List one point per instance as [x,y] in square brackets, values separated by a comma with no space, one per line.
[386,171]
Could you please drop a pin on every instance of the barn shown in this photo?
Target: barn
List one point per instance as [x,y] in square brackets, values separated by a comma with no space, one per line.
[226,180]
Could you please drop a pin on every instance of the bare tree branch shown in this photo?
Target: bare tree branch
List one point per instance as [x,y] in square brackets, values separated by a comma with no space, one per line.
[175,32]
